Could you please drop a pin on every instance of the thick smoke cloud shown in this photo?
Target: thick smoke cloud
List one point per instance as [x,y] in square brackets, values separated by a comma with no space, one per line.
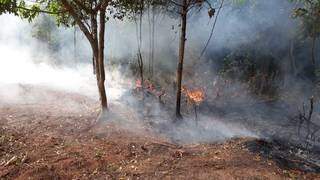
[25,60]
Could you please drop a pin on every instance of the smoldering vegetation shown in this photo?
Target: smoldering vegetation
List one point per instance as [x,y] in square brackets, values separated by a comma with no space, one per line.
[250,85]
[50,64]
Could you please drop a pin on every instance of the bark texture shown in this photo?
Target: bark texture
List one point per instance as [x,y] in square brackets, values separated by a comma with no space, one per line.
[184,10]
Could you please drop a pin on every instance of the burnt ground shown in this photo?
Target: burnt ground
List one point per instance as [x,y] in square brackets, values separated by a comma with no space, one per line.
[56,138]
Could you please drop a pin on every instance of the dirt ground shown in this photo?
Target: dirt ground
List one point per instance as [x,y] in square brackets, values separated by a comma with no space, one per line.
[55,139]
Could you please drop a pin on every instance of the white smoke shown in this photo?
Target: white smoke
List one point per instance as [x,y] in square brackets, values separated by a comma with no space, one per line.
[25,61]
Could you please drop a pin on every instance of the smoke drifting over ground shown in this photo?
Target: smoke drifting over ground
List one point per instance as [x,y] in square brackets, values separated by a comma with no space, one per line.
[27,61]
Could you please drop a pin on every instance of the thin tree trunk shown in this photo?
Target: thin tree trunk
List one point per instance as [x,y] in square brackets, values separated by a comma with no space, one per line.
[101,79]
[150,41]
[139,41]
[94,65]
[98,54]
[94,44]
[153,41]
[313,46]
[140,59]
[292,58]
[140,64]
[181,57]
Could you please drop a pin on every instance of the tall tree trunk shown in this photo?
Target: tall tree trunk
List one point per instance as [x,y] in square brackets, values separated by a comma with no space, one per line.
[313,46]
[153,41]
[140,64]
[140,59]
[97,45]
[101,76]
[181,56]
[98,56]
[292,58]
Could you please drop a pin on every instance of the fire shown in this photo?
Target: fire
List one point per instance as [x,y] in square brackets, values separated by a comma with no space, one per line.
[195,96]
[138,84]
[149,87]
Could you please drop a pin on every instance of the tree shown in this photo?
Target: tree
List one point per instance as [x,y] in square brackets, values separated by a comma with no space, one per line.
[43,30]
[137,14]
[136,11]
[309,12]
[183,7]
[89,15]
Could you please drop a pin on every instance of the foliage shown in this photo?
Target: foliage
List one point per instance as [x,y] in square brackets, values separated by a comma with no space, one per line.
[83,8]
[309,12]
[261,72]
[43,29]
[19,8]
[8,6]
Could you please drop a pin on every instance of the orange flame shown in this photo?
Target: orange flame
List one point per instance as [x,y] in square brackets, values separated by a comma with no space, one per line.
[195,96]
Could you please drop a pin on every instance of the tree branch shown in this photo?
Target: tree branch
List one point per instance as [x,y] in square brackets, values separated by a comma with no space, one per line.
[83,6]
[175,3]
[39,10]
[101,5]
[78,20]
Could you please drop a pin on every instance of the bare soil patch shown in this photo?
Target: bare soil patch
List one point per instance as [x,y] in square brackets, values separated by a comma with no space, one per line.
[51,140]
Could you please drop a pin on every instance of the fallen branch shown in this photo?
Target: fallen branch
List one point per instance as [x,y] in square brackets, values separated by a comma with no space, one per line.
[304,118]
[11,161]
